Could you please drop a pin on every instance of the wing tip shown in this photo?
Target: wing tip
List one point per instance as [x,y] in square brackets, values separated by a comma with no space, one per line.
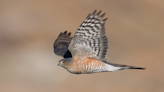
[65,34]
[104,19]
[69,34]
[94,12]
[99,13]
[102,15]
[88,16]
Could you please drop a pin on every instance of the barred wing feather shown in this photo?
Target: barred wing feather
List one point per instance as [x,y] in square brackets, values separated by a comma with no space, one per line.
[90,40]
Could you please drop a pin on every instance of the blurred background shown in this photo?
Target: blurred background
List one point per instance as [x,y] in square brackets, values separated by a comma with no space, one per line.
[28,29]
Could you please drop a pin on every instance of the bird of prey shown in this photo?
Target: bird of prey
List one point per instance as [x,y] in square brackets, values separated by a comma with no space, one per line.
[86,52]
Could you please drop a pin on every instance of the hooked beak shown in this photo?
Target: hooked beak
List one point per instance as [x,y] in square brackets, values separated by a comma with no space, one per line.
[58,63]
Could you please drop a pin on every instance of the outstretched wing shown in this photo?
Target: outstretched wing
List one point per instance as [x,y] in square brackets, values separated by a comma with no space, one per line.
[90,40]
[61,44]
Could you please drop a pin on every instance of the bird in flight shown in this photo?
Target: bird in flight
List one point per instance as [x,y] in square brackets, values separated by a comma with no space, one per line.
[86,52]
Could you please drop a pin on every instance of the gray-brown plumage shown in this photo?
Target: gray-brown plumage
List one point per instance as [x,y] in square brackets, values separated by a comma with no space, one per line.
[61,44]
[88,48]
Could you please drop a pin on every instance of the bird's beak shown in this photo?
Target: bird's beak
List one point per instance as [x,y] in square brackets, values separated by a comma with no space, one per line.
[58,63]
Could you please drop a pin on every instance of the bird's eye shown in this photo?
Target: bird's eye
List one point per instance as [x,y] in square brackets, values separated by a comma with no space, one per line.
[63,61]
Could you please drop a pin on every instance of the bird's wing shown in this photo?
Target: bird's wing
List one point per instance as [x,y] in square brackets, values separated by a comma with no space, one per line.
[61,45]
[90,40]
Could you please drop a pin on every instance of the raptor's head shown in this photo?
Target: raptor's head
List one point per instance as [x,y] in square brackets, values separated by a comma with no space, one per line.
[65,62]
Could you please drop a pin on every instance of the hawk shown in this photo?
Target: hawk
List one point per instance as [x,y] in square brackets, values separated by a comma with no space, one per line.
[86,52]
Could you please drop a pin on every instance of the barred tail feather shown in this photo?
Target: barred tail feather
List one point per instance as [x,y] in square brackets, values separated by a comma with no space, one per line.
[132,67]
[121,67]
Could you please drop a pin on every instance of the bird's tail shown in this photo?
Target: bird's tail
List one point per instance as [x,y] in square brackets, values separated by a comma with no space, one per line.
[121,67]
[133,67]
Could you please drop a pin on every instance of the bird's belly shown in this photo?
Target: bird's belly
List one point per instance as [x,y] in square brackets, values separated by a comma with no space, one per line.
[94,69]
[88,67]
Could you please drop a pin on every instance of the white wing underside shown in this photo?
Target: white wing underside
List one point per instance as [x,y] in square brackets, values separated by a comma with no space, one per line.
[90,40]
